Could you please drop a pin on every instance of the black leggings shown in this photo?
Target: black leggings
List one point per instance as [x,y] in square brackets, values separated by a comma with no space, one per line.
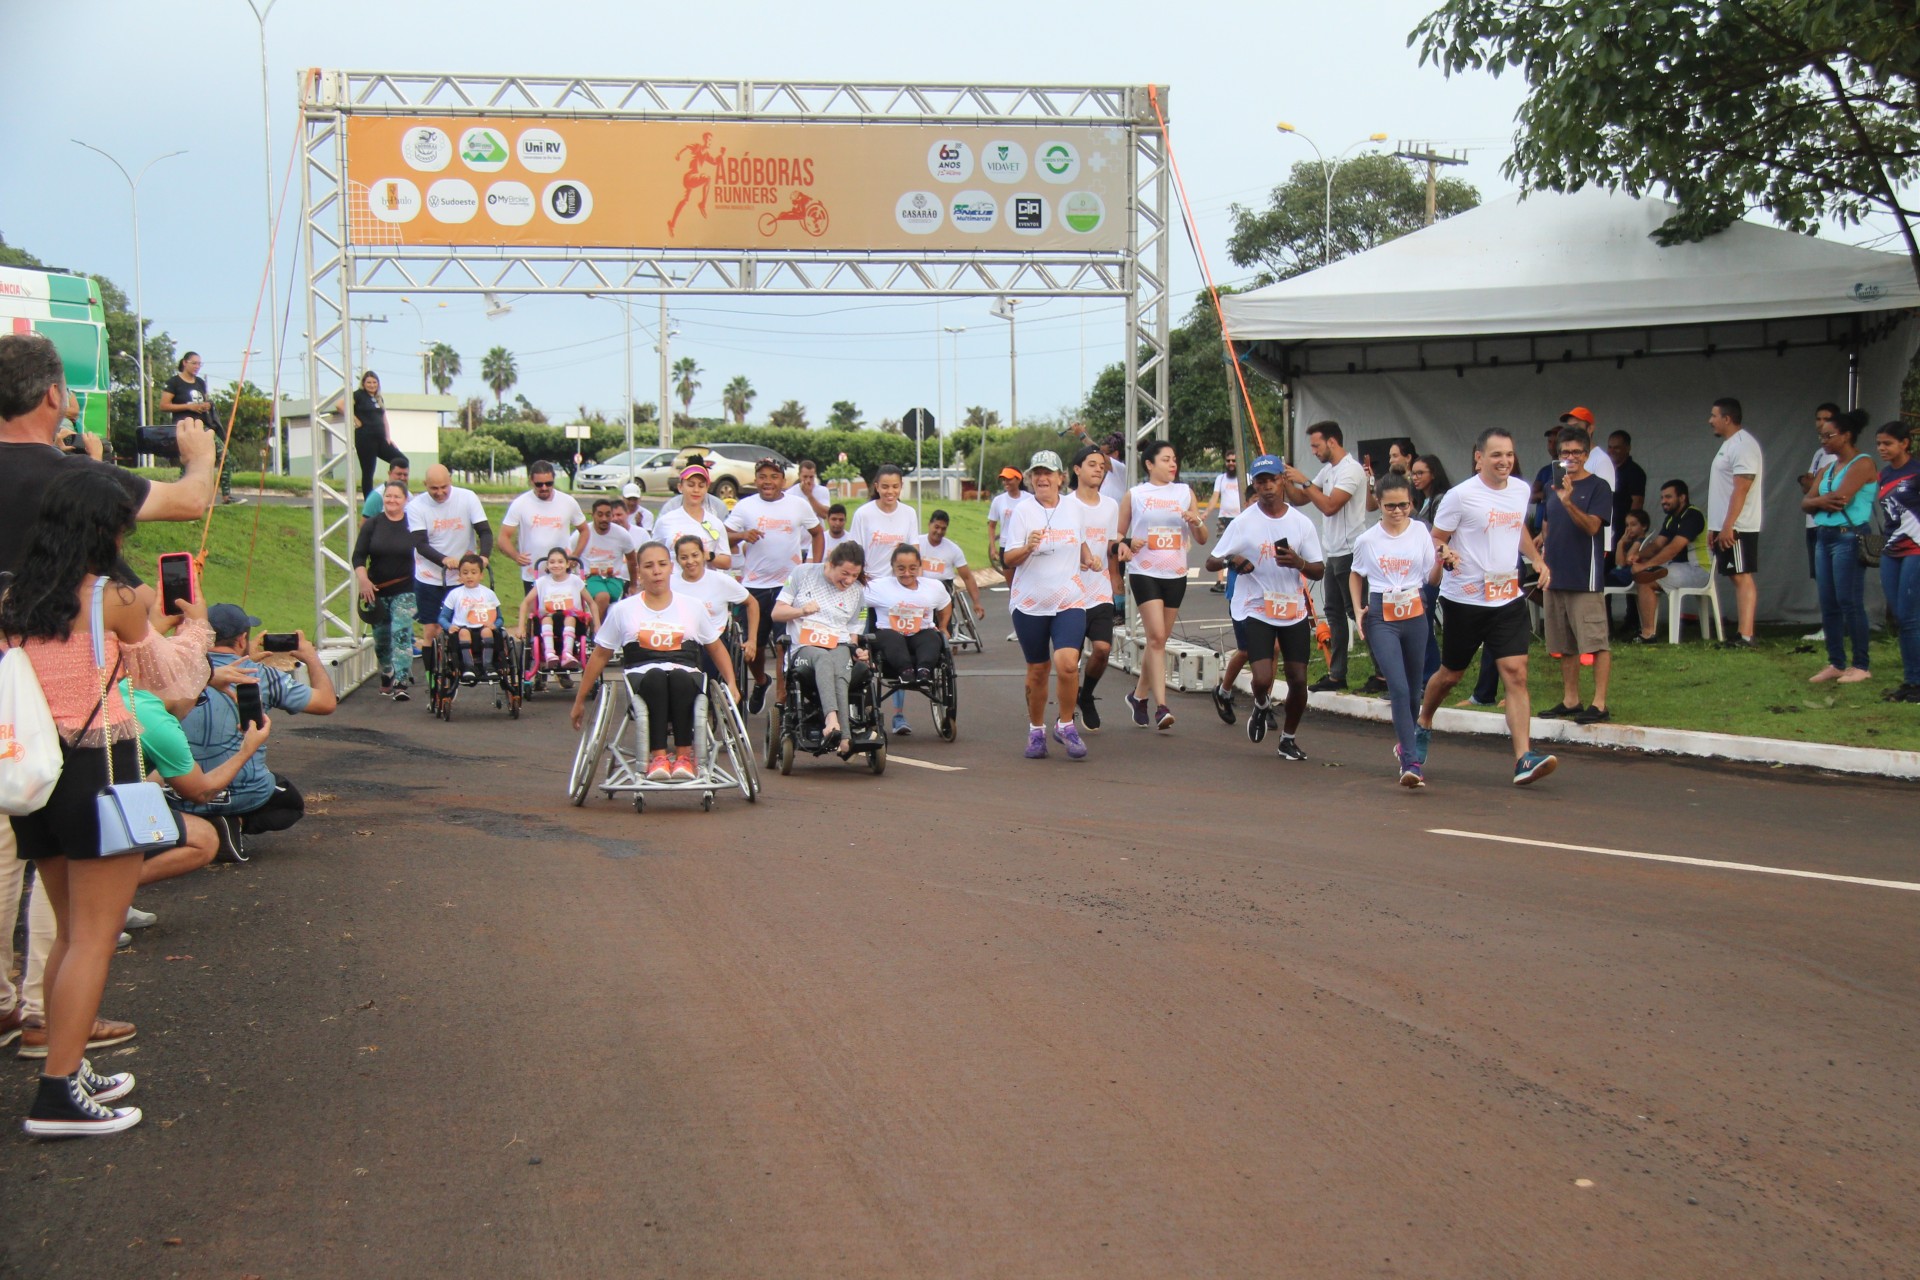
[900,652]
[370,445]
[669,693]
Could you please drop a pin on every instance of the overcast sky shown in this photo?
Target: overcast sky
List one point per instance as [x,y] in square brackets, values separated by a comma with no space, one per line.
[110,73]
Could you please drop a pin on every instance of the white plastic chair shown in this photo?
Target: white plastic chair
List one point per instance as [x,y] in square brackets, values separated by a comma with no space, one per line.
[1676,605]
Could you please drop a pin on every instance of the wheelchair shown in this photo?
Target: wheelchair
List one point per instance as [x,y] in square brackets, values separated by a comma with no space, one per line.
[614,738]
[508,676]
[538,649]
[942,690]
[966,622]
[802,723]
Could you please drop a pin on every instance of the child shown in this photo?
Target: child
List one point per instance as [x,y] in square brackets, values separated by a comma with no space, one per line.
[836,530]
[553,607]
[473,612]
[1620,572]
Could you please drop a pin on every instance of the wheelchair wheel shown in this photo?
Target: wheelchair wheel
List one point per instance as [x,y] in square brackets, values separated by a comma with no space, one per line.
[946,703]
[785,747]
[594,741]
[877,759]
[740,747]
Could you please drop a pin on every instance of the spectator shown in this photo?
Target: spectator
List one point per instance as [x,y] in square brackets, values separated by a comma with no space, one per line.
[1012,489]
[1543,480]
[1599,462]
[1675,559]
[1227,500]
[1579,510]
[370,438]
[1620,563]
[538,521]
[1734,510]
[1430,484]
[383,573]
[1115,483]
[1899,490]
[446,522]
[1400,459]
[807,484]
[185,396]
[1842,507]
[258,800]
[1629,482]
[398,472]
[1332,493]
[1823,417]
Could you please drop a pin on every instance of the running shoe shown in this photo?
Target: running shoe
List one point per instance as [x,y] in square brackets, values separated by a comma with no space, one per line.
[104,1088]
[658,767]
[1422,740]
[1745,643]
[1259,720]
[570,663]
[138,919]
[1090,714]
[1290,749]
[1162,717]
[64,1109]
[566,681]
[1138,705]
[683,767]
[400,694]
[1223,702]
[1327,684]
[1036,744]
[758,698]
[901,728]
[1069,737]
[1413,776]
[1533,766]
[469,679]
[1376,683]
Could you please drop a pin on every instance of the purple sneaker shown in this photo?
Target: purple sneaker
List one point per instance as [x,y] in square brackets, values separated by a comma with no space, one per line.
[1069,737]
[1037,744]
[1138,706]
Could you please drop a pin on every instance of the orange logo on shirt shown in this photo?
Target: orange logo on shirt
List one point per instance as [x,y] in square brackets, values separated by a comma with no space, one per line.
[775,524]
[1505,519]
[443,524]
[1395,564]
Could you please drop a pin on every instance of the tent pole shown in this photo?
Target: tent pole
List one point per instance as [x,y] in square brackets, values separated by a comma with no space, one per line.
[1853,367]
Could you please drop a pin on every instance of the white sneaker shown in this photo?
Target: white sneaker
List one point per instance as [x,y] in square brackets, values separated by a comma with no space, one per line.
[126,940]
[138,919]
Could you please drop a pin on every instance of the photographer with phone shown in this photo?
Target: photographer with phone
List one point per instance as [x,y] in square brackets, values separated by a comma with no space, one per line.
[258,800]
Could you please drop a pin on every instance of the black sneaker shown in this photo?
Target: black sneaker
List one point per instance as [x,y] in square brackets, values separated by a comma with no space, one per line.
[1223,702]
[1637,638]
[1561,711]
[1376,683]
[758,698]
[1740,642]
[1900,693]
[1259,720]
[233,843]
[104,1089]
[400,694]
[1089,714]
[1327,684]
[64,1109]
[1290,749]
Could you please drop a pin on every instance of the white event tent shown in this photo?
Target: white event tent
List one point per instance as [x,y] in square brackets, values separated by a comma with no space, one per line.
[1514,312]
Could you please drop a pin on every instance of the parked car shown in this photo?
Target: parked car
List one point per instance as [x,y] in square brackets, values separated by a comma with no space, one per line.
[731,465]
[610,475]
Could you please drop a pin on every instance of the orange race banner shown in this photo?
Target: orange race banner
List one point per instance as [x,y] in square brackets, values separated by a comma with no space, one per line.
[713,185]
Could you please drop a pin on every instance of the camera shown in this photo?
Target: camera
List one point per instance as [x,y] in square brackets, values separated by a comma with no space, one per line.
[161,442]
[279,641]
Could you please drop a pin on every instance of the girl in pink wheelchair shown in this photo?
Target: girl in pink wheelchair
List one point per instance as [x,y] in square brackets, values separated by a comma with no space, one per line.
[555,617]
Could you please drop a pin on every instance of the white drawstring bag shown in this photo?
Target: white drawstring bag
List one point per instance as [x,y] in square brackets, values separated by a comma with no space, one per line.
[30,758]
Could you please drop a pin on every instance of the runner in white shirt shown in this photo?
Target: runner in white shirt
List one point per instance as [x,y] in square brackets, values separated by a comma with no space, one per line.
[772,530]
[1226,501]
[910,614]
[661,636]
[1003,502]
[606,553]
[1335,492]
[1392,562]
[717,592]
[1158,522]
[836,531]
[885,523]
[943,559]
[690,513]
[554,613]
[446,522]
[1274,551]
[1101,526]
[632,515]
[807,487]
[1114,485]
[538,521]
[1044,548]
[1481,529]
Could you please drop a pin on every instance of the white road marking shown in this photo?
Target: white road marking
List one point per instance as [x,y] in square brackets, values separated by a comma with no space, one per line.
[1684,861]
[925,764]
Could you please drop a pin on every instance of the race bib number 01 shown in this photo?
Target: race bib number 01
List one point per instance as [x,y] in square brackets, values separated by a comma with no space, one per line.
[908,621]
[817,636]
[1166,540]
[1282,606]
[1502,587]
[1401,606]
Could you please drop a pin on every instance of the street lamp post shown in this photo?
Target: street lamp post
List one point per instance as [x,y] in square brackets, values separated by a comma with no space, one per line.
[953,406]
[139,311]
[1326,236]
[1003,310]
[260,13]
[626,308]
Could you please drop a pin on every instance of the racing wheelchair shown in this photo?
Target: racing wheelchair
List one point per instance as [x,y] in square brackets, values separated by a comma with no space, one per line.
[612,753]
[801,725]
[507,675]
[966,621]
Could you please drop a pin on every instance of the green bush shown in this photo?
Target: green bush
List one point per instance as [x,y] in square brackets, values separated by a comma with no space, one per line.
[477,454]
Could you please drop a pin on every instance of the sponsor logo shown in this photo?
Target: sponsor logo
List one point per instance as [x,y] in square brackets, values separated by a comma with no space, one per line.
[567,201]
[541,151]
[919,212]
[393,200]
[426,149]
[950,160]
[975,211]
[452,200]
[1003,161]
[1027,214]
[1864,292]
[1083,211]
[510,204]
[1058,162]
[483,150]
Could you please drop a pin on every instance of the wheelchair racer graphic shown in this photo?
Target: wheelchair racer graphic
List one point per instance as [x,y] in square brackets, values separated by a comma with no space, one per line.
[805,210]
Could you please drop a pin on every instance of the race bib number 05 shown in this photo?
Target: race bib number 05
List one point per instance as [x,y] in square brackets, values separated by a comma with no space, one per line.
[817,636]
[1401,606]
[907,621]
[1282,606]
[1502,587]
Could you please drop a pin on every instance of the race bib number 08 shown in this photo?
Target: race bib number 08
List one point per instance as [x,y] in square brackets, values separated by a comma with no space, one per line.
[818,637]
[1502,587]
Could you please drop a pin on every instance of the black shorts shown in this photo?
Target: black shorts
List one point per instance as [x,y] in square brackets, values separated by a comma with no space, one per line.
[1295,640]
[68,825]
[427,599]
[1168,591]
[765,596]
[1504,629]
[1100,624]
[1742,557]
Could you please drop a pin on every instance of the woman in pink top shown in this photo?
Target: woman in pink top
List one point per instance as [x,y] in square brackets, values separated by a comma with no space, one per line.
[48,611]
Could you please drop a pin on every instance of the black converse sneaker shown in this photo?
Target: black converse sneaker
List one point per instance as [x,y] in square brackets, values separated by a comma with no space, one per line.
[104,1088]
[64,1109]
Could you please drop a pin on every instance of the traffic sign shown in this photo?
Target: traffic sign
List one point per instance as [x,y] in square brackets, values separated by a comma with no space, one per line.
[917,423]
[578,431]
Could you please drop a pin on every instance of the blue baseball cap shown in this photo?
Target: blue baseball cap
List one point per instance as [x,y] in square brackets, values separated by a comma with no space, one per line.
[1267,465]
[230,620]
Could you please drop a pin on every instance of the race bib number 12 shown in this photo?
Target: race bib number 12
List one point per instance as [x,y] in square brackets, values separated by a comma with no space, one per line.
[1282,606]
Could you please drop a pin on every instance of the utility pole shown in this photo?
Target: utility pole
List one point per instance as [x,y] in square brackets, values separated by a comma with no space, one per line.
[1424,151]
[363,322]
[1003,310]
[666,423]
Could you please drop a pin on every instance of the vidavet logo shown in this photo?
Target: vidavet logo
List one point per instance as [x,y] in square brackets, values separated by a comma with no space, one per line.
[975,212]
[541,151]
[510,204]
[452,200]
[483,150]
[393,200]
[1003,161]
[1058,162]
[950,160]
[426,149]
[919,212]
[1083,211]
[567,201]
[1027,213]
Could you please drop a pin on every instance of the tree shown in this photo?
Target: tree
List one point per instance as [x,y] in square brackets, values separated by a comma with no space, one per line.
[443,366]
[789,414]
[646,411]
[251,424]
[499,372]
[1805,108]
[979,416]
[472,412]
[892,427]
[843,416]
[738,397]
[686,381]
[1375,199]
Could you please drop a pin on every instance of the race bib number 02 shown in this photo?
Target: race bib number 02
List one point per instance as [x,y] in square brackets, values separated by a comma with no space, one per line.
[1282,606]
[1401,606]
[1502,587]
[1166,540]
[817,636]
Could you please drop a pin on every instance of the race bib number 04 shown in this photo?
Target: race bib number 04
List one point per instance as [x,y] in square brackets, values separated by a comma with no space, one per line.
[1402,606]
[662,639]
[817,636]
[1282,606]
[1502,587]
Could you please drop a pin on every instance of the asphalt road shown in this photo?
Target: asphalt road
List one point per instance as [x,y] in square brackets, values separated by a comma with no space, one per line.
[1182,1009]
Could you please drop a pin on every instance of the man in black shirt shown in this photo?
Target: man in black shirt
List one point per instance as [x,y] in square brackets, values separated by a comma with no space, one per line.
[1668,561]
[1629,481]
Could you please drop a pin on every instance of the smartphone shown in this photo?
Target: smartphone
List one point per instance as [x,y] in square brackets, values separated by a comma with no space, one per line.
[280,641]
[1280,546]
[179,580]
[247,698]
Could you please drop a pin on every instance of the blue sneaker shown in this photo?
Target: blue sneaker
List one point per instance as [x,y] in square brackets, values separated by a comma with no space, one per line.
[1037,744]
[1534,764]
[1422,739]
[900,726]
[1069,737]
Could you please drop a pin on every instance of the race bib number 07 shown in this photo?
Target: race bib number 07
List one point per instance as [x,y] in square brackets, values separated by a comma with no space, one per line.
[1402,606]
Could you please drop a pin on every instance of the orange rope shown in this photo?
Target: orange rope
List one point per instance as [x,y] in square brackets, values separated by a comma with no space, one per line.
[1193,238]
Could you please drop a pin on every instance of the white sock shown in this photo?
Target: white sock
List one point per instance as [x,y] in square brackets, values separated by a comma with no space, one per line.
[1063,725]
[1036,728]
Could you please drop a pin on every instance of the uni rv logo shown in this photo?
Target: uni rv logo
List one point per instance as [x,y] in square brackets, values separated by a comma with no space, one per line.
[541,151]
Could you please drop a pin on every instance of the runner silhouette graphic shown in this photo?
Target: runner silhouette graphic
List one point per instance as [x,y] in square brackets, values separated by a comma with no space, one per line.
[694,180]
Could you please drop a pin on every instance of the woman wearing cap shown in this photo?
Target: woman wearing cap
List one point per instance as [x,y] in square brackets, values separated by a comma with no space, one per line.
[997,510]
[688,513]
[1044,548]
[1157,522]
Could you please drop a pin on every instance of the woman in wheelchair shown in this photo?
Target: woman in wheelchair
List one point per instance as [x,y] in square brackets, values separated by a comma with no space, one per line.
[554,613]
[660,637]
[821,605]
[911,616]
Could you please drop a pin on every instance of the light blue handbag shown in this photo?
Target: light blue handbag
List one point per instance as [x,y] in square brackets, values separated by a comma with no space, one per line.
[134,817]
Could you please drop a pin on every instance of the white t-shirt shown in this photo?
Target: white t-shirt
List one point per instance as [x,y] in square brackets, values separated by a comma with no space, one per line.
[540,526]
[1048,581]
[897,609]
[1100,527]
[471,604]
[1822,459]
[638,522]
[659,632]
[1114,483]
[1486,525]
[940,562]
[1391,564]
[674,523]
[1272,593]
[838,621]
[1159,533]
[821,494]
[829,540]
[786,527]
[1338,530]
[1002,503]
[1739,455]
[605,554]
[1227,487]
[879,532]
[449,527]
[715,590]
[568,595]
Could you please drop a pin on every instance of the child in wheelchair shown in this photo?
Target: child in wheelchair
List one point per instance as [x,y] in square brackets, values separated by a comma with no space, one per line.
[554,615]
[911,615]
[471,618]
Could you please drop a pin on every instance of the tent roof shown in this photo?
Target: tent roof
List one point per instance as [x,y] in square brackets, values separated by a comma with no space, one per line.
[1553,263]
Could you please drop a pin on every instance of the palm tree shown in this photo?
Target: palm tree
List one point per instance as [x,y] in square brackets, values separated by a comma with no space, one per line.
[738,398]
[844,416]
[443,366]
[789,414]
[979,416]
[498,371]
[686,381]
